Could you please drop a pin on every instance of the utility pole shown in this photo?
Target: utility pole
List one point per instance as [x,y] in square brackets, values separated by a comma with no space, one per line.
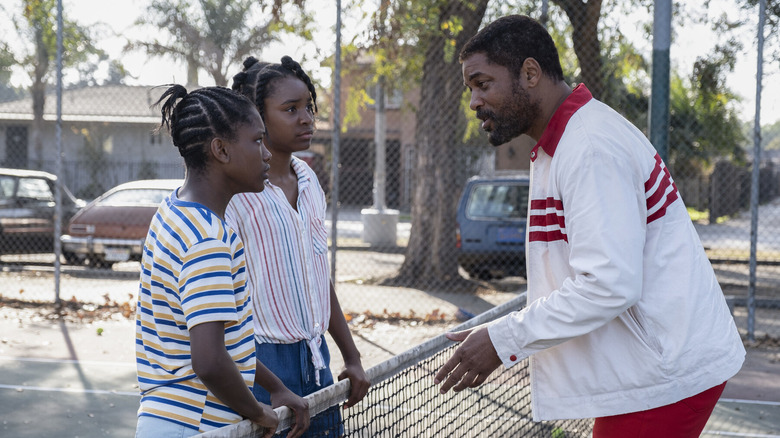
[659,94]
[380,224]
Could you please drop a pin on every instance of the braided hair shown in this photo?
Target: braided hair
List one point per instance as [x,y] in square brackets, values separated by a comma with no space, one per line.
[257,79]
[194,119]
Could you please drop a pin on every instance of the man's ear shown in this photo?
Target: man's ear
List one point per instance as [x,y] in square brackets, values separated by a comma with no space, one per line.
[531,72]
[219,150]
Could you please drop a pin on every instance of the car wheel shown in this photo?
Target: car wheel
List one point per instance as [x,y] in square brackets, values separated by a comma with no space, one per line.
[71,258]
[479,274]
[99,262]
[485,275]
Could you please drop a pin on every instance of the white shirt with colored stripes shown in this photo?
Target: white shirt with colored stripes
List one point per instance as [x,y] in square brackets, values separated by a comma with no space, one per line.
[192,272]
[287,260]
[624,310]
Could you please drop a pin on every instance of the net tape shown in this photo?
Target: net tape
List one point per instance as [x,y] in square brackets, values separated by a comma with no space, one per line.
[403,400]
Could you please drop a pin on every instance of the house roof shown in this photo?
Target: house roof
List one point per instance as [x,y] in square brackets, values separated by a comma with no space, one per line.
[109,103]
[106,103]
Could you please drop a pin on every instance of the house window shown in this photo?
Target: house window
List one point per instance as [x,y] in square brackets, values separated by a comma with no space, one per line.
[155,138]
[393,97]
[108,144]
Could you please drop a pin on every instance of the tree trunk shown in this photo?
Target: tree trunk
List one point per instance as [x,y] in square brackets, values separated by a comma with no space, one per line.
[192,72]
[584,17]
[431,259]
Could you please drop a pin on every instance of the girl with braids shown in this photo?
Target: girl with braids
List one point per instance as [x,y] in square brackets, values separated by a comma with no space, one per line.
[194,352]
[283,230]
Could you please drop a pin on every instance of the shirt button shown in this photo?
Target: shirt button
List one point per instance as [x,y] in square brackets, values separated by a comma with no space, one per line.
[513,358]
[533,154]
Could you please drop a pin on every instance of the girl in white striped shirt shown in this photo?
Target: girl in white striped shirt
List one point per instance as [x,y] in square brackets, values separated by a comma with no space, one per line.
[284,234]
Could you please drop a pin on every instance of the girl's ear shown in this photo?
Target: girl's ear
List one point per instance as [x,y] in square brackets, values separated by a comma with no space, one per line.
[220,150]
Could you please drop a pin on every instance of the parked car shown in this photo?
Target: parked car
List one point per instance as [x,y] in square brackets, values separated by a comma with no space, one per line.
[27,207]
[113,227]
[492,215]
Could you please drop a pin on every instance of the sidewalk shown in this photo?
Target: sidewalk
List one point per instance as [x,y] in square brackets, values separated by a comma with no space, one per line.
[81,373]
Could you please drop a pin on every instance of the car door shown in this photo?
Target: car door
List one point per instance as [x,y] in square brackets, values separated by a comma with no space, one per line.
[28,215]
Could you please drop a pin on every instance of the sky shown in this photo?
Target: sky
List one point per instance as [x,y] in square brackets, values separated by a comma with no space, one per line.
[693,41]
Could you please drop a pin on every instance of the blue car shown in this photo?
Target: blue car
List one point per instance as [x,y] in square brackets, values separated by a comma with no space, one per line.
[492,215]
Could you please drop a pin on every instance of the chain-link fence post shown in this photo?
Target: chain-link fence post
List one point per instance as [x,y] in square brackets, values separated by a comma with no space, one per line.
[754,188]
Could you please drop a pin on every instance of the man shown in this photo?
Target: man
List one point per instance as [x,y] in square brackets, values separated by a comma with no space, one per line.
[626,322]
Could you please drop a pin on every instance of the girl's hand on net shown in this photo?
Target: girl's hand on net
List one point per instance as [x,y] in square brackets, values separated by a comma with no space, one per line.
[298,405]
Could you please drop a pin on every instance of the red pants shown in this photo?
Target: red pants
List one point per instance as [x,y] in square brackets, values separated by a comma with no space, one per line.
[684,419]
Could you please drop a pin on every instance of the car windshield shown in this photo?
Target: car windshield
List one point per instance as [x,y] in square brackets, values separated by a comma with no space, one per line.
[498,200]
[136,197]
[34,188]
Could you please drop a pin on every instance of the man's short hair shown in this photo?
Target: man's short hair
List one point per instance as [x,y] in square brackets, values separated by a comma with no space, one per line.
[509,41]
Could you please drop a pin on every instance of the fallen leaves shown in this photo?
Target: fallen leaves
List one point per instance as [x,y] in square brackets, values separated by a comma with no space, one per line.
[368,318]
[71,310]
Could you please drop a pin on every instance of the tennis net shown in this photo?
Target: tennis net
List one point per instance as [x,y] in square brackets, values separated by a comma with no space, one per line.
[403,400]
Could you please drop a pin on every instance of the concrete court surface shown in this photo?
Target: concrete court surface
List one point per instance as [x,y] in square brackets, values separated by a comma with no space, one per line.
[63,379]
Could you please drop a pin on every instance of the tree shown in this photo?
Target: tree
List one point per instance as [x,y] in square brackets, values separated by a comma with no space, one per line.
[770,136]
[421,45]
[584,17]
[420,41]
[7,62]
[703,121]
[216,35]
[772,24]
[38,26]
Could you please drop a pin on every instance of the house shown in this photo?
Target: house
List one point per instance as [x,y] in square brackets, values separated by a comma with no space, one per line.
[108,137]
[357,147]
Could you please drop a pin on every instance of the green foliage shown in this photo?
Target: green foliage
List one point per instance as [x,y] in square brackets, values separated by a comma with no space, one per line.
[473,124]
[626,79]
[7,62]
[355,105]
[394,45]
[772,29]
[770,136]
[35,22]
[38,26]
[217,35]
[698,215]
[703,120]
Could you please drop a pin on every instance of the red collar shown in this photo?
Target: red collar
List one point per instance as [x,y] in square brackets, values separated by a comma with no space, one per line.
[554,130]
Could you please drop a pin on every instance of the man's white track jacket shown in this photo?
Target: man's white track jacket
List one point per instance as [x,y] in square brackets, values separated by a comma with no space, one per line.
[625,313]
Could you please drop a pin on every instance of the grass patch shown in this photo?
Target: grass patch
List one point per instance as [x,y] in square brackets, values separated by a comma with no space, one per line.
[703,216]
[740,254]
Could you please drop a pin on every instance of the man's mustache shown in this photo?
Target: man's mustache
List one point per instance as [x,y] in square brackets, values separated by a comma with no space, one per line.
[484,114]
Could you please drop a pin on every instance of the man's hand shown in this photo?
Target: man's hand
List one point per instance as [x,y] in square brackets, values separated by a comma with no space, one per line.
[298,405]
[472,362]
[358,381]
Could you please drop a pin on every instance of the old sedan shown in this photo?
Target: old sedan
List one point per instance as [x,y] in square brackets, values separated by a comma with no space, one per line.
[27,210]
[112,228]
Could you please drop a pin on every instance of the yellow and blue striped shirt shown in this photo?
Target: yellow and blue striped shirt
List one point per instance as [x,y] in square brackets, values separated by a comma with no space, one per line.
[193,271]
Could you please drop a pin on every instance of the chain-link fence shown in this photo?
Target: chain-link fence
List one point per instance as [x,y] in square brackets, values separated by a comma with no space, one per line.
[404,170]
